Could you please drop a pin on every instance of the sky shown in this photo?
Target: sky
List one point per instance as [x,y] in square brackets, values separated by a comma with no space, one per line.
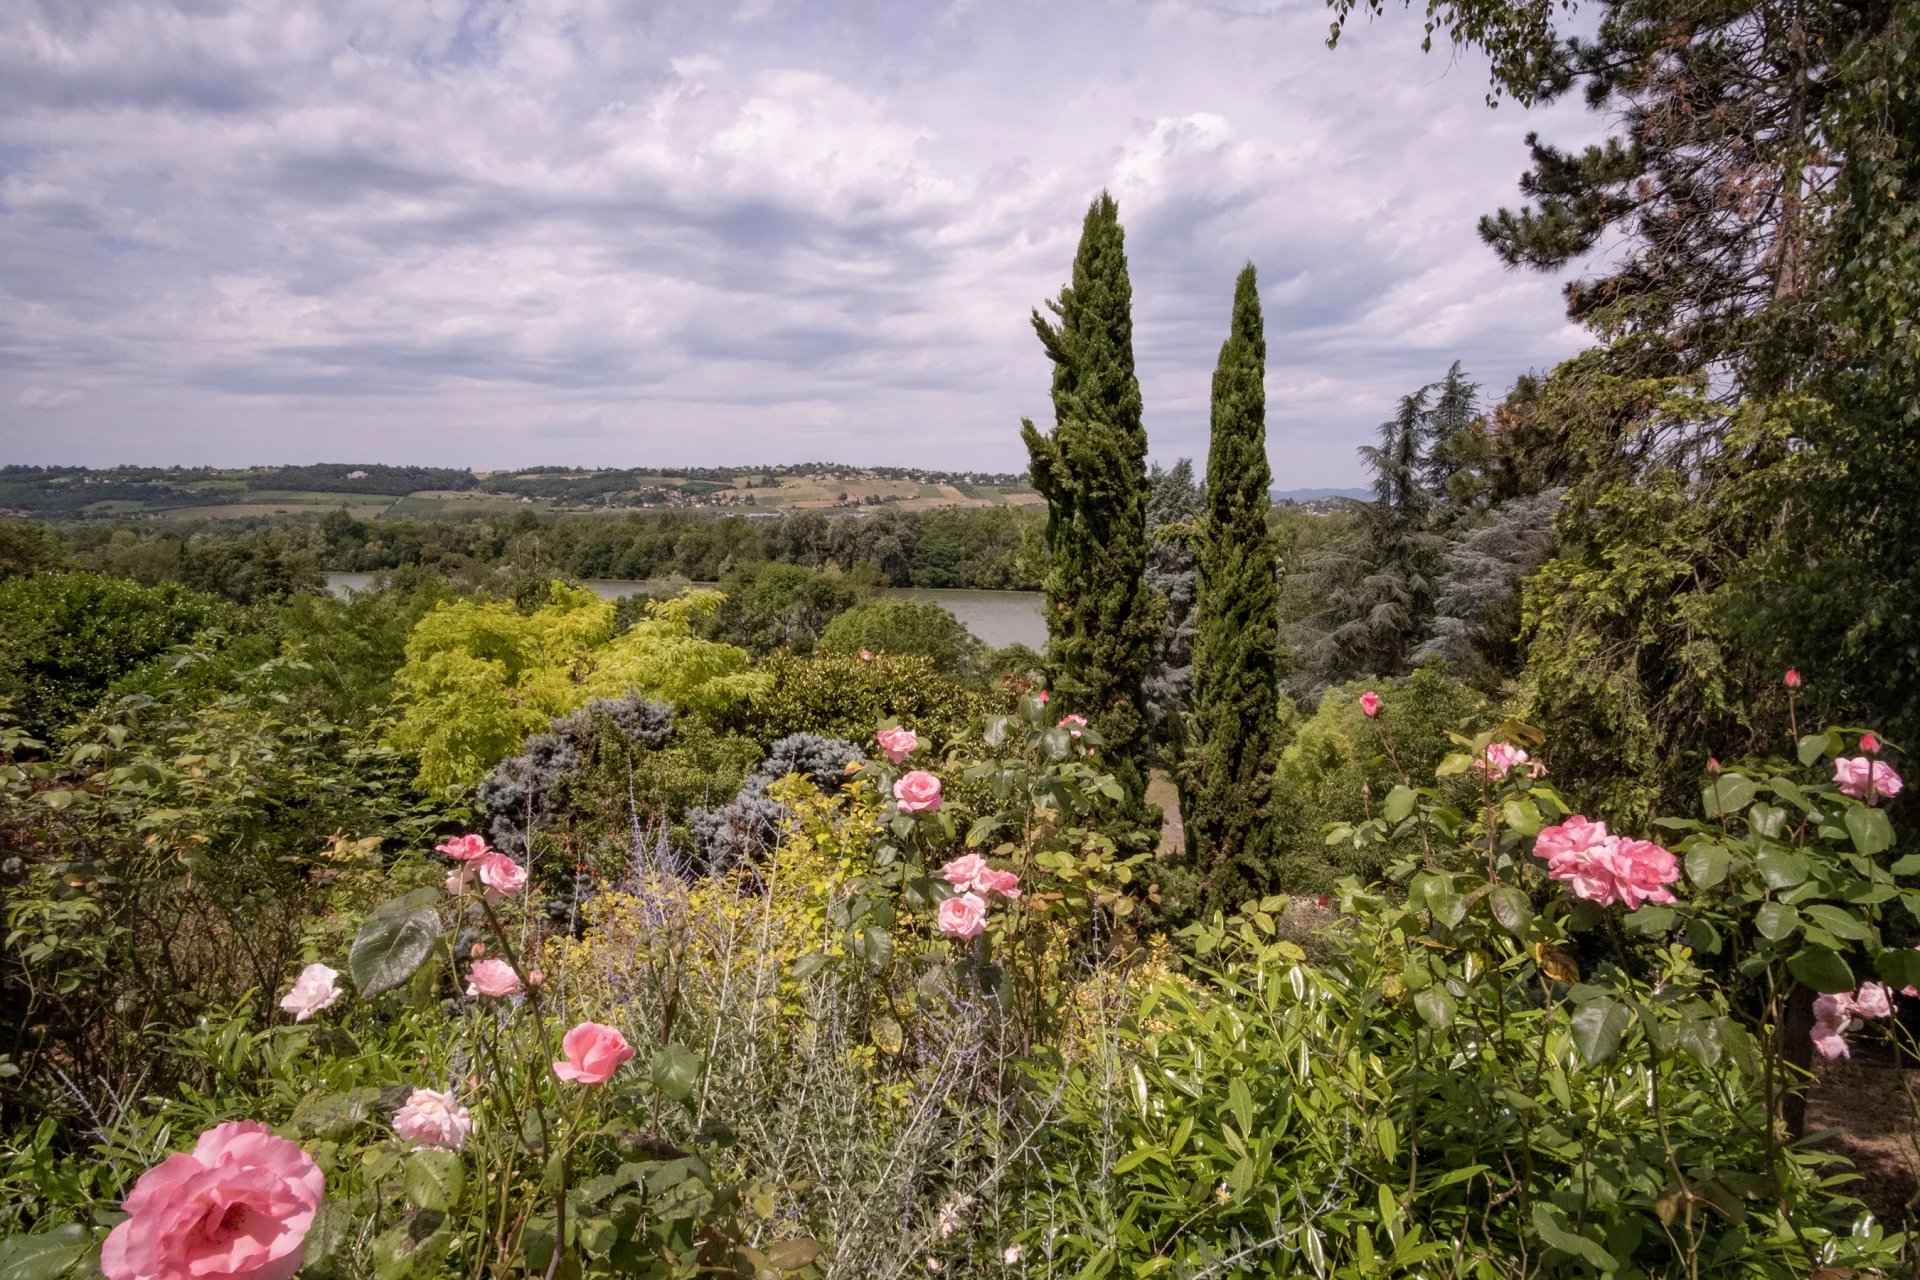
[494,233]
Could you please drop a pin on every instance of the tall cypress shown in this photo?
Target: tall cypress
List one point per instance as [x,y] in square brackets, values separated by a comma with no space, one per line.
[1238,657]
[1092,469]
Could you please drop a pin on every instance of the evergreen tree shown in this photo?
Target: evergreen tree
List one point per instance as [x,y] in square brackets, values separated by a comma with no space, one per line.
[1238,657]
[1092,470]
[1173,575]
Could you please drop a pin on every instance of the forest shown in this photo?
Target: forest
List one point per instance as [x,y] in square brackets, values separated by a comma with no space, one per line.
[1510,876]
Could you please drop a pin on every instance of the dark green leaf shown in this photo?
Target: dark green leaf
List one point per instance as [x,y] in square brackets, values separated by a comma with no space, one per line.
[434,1179]
[676,1072]
[1839,921]
[1821,969]
[1812,747]
[44,1256]
[1650,920]
[1707,865]
[1727,794]
[1899,967]
[1768,819]
[1511,909]
[1781,868]
[1597,1028]
[1399,803]
[1435,1005]
[1559,1238]
[395,940]
[1871,831]
[1776,921]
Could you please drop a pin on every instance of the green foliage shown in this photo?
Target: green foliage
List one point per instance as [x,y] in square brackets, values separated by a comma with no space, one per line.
[781,606]
[849,697]
[1238,659]
[910,627]
[66,637]
[481,675]
[1092,470]
[27,548]
[1340,766]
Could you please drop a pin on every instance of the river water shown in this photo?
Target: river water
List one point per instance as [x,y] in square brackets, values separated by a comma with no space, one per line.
[998,618]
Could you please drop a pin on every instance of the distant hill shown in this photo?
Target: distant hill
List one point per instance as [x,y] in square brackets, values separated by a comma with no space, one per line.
[1315,495]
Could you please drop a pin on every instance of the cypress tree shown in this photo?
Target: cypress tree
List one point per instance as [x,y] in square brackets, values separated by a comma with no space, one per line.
[1238,656]
[1092,470]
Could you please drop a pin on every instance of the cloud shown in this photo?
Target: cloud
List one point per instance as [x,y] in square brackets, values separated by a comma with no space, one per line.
[501,232]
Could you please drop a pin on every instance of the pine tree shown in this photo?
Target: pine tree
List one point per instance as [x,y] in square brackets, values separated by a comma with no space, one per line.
[1102,621]
[1238,659]
[1173,575]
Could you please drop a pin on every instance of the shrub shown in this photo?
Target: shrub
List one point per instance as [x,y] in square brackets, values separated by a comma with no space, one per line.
[750,824]
[907,627]
[781,606]
[66,637]
[848,697]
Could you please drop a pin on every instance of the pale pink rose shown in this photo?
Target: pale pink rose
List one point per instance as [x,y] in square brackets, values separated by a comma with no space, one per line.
[1073,724]
[1828,1041]
[917,792]
[502,875]
[1588,877]
[1870,743]
[433,1119]
[594,1052]
[1574,838]
[491,977]
[1865,778]
[239,1206]
[963,916]
[1370,704]
[467,848]
[866,655]
[1004,883]
[1499,759]
[1873,1000]
[897,744]
[313,991]
[965,872]
[1836,1012]
[1642,870]
[1792,678]
[457,881]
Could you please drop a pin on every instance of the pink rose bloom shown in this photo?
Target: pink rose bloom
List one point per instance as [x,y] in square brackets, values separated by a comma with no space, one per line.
[313,991]
[1370,704]
[1828,1041]
[917,792]
[1792,678]
[1872,1000]
[1042,696]
[468,848]
[897,744]
[1835,1012]
[1865,778]
[1073,724]
[433,1119]
[458,880]
[1870,743]
[492,977]
[1499,759]
[502,875]
[240,1205]
[594,1052]
[963,916]
[1004,883]
[1588,877]
[866,655]
[965,873]
[1642,870]
[1573,839]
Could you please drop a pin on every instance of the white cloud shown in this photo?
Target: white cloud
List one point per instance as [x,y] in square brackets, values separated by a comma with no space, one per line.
[607,231]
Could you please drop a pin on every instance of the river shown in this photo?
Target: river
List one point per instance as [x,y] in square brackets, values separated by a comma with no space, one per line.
[998,618]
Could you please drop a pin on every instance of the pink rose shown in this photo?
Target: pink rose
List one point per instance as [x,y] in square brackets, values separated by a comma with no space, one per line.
[1873,1000]
[458,880]
[1835,1012]
[1642,870]
[1865,778]
[1499,759]
[1870,743]
[240,1205]
[313,991]
[468,848]
[917,792]
[491,977]
[866,655]
[963,916]
[594,1052]
[1574,838]
[1073,724]
[502,875]
[1792,678]
[965,873]
[1370,704]
[432,1119]
[1042,696]
[1587,877]
[1004,883]
[897,744]
[1829,1042]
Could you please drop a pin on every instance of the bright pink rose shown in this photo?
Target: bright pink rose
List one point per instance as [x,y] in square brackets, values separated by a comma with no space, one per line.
[240,1205]
[502,875]
[594,1052]
[1642,870]
[1042,696]
[1073,724]
[897,744]
[313,991]
[1865,778]
[1792,678]
[1370,704]
[468,848]
[963,916]
[917,792]
[433,1119]
[1588,877]
[965,872]
[1575,838]
[1004,883]
[1499,759]
[492,977]
[1870,743]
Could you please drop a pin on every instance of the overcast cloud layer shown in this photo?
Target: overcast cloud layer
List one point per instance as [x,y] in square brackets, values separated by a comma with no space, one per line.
[629,232]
